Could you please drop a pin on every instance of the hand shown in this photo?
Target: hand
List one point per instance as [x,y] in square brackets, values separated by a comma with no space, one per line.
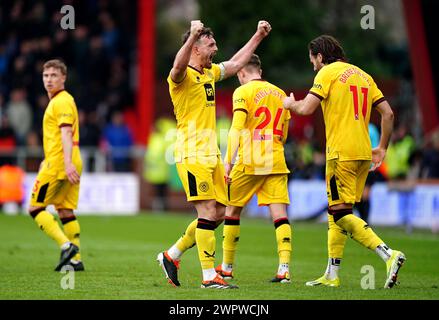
[228,169]
[378,155]
[289,101]
[72,174]
[196,27]
[264,28]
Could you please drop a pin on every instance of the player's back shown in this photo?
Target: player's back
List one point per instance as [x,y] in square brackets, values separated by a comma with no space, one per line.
[261,147]
[348,94]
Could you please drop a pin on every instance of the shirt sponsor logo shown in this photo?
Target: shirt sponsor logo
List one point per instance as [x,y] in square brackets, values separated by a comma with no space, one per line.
[240,100]
[317,86]
[210,93]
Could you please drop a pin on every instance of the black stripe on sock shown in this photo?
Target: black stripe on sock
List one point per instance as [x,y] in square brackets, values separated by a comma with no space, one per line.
[231,222]
[192,184]
[42,192]
[338,214]
[206,224]
[334,191]
[280,222]
[34,213]
[68,219]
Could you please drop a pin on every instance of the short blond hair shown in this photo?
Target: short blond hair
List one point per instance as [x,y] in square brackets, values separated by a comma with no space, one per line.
[57,64]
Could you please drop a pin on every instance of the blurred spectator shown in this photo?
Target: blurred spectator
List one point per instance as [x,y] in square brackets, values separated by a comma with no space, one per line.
[35,153]
[19,113]
[90,133]
[430,161]
[41,105]
[100,51]
[118,140]
[157,167]
[304,158]
[398,154]
[7,141]
[2,108]
[89,137]
[110,34]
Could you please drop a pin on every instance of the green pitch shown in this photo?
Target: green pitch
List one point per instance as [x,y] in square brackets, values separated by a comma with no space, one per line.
[119,255]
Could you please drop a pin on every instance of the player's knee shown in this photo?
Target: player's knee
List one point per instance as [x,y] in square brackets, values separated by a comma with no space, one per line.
[66,213]
[220,212]
[34,211]
[339,213]
[206,209]
[233,212]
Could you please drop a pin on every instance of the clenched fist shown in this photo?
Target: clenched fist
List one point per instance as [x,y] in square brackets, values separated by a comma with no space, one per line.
[264,28]
[196,27]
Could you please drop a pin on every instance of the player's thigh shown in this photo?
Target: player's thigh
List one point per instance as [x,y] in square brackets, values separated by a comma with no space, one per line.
[68,196]
[243,187]
[274,190]
[362,176]
[219,183]
[197,179]
[45,189]
[341,181]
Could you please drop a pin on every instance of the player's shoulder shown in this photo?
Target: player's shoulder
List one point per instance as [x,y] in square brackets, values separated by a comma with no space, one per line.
[361,72]
[63,95]
[334,68]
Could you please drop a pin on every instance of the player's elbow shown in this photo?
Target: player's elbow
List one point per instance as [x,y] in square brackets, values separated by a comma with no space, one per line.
[389,115]
[233,66]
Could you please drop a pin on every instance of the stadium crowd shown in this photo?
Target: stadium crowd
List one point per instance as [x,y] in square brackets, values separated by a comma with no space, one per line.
[99,53]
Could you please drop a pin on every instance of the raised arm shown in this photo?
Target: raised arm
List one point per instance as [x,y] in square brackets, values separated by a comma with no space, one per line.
[241,58]
[182,58]
[387,116]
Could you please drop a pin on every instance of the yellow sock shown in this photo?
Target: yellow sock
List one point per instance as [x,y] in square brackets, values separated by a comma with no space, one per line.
[72,231]
[205,238]
[47,222]
[231,233]
[336,239]
[187,240]
[283,238]
[360,231]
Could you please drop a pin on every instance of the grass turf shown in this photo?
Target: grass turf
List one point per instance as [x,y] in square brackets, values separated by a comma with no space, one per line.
[119,255]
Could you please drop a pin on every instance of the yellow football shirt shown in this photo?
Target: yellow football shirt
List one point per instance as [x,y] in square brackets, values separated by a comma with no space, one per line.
[261,142]
[347,96]
[60,111]
[195,110]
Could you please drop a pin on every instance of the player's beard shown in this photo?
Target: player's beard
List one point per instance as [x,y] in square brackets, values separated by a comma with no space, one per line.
[208,63]
[209,60]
